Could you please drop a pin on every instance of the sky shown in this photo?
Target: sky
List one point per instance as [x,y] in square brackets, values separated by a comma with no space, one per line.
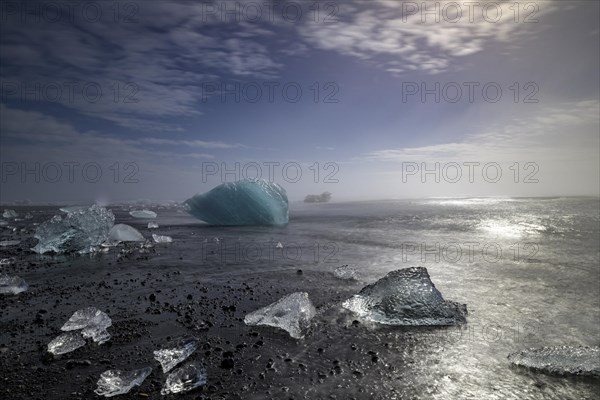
[121,101]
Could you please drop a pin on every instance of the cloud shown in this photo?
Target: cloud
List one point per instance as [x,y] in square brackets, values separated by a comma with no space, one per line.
[150,68]
[37,136]
[538,136]
[402,36]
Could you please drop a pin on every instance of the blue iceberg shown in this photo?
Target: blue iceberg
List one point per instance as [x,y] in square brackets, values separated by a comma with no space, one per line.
[245,202]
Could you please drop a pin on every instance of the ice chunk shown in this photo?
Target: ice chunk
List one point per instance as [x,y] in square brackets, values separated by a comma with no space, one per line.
[9,214]
[114,382]
[561,360]
[80,231]
[184,379]
[125,233]
[406,297]
[6,243]
[279,245]
[72,209]
[152,225]
[245,202]
[66,343]
[97,333]
[92,322]
[142,214]
[8,261]
[291,313]
[12,284]
[169,358]
[162,238]
[347,272]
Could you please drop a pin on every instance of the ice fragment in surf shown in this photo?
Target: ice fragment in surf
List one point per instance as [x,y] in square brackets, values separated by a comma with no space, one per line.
[9,214]
[184,379]
[347,272]
[406,297]
[66,343]
[152,225]
[291,313]
[12,284]
[6,243]
[245,202]
[125,233]
[560,360]
[92,322]
[114,382]
[79,230]
[162,238]
[142,214]
[169,358]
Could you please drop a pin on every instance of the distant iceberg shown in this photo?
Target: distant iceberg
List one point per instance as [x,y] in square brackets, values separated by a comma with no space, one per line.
[560,360]
[406,297]
[318,198]
[245,202]
[80,230]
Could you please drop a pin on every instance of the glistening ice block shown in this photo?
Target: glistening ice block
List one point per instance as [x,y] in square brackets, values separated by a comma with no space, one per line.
[245,202]
[561,360]
[406,297]
[291,313]
[80,230]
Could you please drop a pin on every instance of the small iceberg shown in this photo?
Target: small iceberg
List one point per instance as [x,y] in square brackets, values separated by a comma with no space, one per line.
[346,272]
[279,245]
[291,313]
[9,214]
[169,358]
[406,297]
[7,243]
[72,209]
[318,198]
[142,214]
[245,202]
[184,379]
[8,261]
[560,360]
[152,225]
[124,233]
[66,343]
[161,238]
[80,231]
[92,323]
[114,382]
[12,284]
